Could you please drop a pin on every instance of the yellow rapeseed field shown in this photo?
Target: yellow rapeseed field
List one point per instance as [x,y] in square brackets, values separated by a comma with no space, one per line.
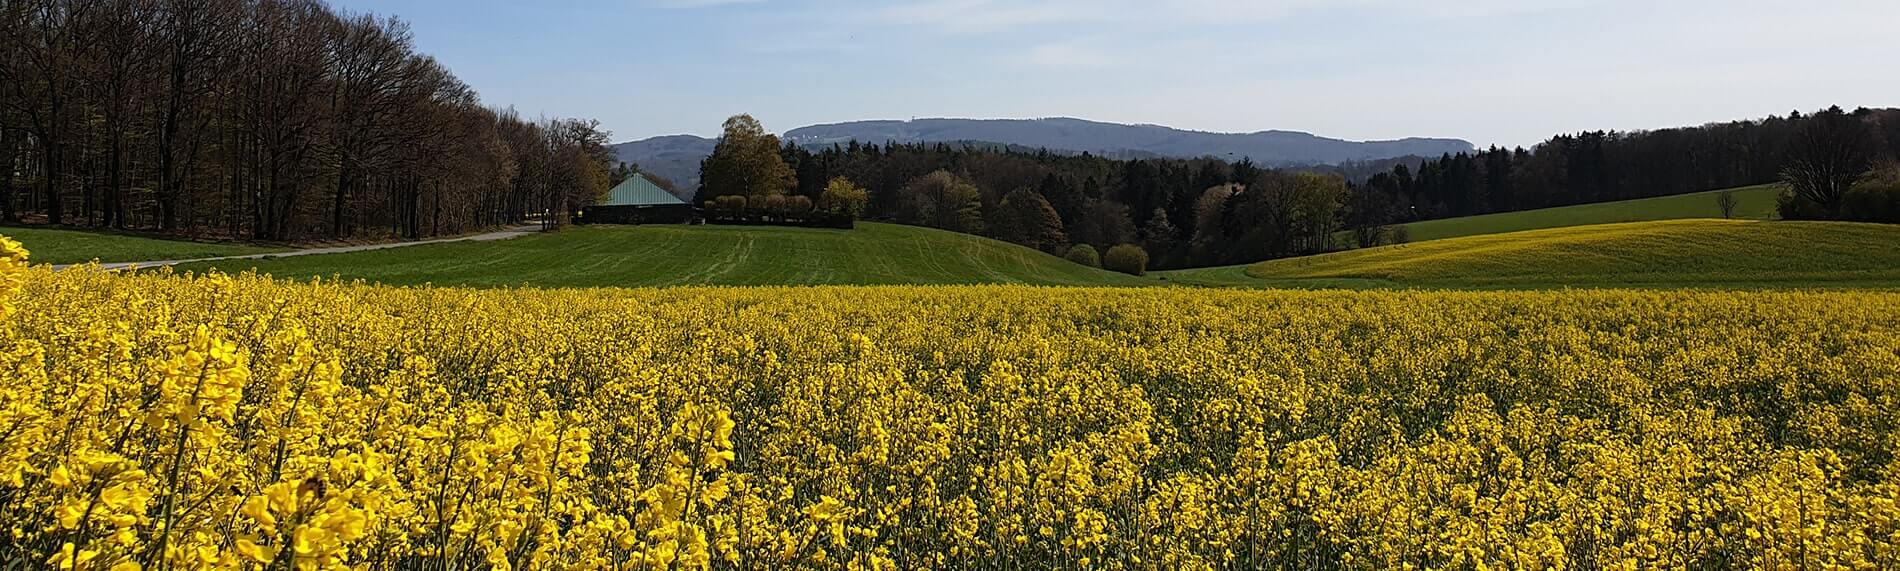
[164,422]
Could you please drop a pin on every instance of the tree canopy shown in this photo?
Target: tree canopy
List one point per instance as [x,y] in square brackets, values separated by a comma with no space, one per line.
[745,162]
[841,196]
[942,200]
[1026,218]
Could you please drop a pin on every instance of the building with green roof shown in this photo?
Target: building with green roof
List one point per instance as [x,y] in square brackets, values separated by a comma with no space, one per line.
[637,201]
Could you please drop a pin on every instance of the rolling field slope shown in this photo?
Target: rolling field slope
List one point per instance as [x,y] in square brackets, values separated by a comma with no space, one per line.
[1676,253]
[637,256]
[1752,203]
[53,246]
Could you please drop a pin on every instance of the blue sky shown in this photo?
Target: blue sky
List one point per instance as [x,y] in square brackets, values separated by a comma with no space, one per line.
[1509,72]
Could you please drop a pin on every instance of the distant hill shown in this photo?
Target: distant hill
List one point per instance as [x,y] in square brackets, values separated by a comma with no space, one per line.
[673,157]
[1272,148]
[677,157]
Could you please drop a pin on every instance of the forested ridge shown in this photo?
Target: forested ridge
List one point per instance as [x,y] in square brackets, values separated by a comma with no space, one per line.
[1603,166]
[1196,212]
[262,119]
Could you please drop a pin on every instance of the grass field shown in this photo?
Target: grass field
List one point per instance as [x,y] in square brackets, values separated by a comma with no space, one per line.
[637,256]
[1674,253]
[1752,203]
[1558,247]
[51,246]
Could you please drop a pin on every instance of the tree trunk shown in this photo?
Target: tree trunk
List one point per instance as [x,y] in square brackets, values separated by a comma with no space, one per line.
[168,178]
[9,154]
[55,214]
[115,181]
[414,208]
[235,208]
[258,202]
[88,189]
[167,181]
[344,180]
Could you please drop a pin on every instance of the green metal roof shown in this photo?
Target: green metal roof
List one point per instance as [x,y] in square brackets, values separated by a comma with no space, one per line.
[638,191]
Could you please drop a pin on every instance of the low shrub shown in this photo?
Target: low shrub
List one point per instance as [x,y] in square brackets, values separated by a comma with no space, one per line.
[1870,201]
[1875,199]
[1126,258]
[1084,254]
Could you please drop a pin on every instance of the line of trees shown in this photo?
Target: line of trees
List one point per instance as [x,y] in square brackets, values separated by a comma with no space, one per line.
[263,119]
[1182,212]
[1197,212]
[1601,166]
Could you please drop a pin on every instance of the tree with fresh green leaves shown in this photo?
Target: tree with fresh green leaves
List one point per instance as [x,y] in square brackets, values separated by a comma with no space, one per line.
[745,162]
[841,196]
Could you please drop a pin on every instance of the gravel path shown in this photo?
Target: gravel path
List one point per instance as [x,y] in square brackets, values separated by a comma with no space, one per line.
[514,232]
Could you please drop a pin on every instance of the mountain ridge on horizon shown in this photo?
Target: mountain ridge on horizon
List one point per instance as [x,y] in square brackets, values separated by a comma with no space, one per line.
[677,157]
[1079,120]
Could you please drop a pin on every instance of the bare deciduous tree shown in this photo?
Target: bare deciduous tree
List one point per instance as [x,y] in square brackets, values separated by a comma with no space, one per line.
[1725,201]
[269,119]
[1828,153]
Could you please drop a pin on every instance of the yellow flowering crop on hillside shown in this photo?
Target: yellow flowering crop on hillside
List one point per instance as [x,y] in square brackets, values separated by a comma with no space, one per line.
[164,422]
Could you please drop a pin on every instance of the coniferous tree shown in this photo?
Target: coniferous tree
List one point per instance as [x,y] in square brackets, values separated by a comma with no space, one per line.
[1244,171]
[1159,235]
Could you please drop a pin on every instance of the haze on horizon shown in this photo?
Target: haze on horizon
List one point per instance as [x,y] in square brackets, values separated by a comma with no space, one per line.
[1489,71]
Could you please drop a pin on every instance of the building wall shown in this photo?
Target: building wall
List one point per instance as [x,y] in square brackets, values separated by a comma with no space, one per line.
[658,214]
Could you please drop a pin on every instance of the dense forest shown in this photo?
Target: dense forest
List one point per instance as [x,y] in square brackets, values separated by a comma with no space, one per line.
[262,119]
[1601,166]
[1195,212]
[1186,212]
